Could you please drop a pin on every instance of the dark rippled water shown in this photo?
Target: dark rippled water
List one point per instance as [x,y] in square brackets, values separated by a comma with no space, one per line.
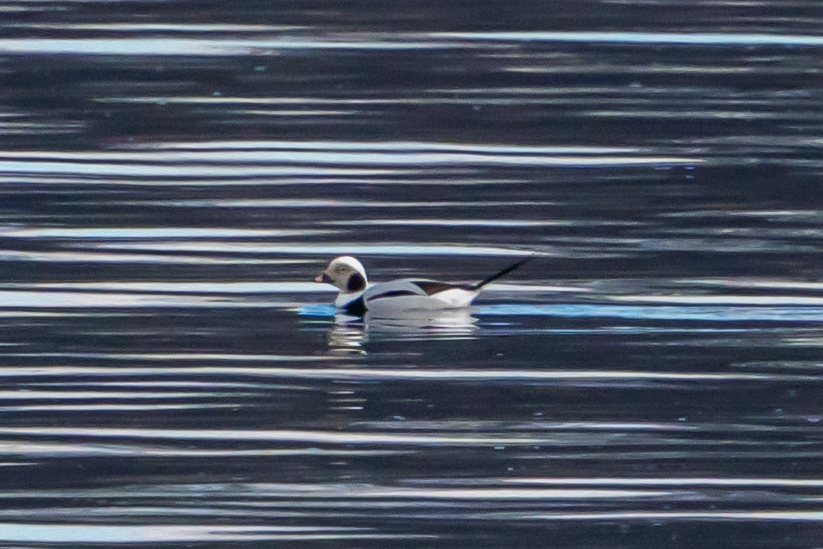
[173,176]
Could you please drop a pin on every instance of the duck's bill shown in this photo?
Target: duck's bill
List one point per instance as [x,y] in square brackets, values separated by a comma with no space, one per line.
[323,277]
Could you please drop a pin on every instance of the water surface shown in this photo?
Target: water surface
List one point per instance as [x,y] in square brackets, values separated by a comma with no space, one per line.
[174,176]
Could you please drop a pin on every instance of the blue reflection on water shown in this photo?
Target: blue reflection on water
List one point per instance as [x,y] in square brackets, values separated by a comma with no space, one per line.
[639,312]
[666,312]
[317,309]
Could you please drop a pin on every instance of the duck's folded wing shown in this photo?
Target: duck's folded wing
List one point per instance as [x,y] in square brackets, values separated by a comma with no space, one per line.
[409,287]
[432,287]
[395,288]
[450,295]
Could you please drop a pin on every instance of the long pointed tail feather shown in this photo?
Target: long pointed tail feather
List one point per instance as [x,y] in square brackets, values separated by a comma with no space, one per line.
[502,273]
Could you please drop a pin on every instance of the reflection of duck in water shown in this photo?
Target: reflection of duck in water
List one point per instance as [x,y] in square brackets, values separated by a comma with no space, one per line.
[442,324]
[349,333]
[388,299]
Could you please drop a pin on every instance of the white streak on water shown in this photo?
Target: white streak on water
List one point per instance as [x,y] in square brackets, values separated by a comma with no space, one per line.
[196,47]
[263,47]
[319,249]
[204,170]
[388,146]
[164,533]
[690,38]
[416,439]
[669,481]
[12,231]
[366,374]
[179,288]
[694,516]
[152,259]
[777,300]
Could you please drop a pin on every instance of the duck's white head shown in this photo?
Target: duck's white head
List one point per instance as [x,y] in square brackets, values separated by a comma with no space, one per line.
[345,273]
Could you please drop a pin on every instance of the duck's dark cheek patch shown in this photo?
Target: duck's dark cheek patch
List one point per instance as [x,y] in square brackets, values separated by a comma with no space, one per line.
[356,283]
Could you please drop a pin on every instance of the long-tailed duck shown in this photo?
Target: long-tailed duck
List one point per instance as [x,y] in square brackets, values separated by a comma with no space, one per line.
[386,298]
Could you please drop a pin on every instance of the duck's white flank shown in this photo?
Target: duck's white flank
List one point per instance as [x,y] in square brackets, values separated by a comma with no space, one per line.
[389,298]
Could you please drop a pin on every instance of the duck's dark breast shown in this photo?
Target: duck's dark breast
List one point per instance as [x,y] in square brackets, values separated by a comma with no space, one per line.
[356,307]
